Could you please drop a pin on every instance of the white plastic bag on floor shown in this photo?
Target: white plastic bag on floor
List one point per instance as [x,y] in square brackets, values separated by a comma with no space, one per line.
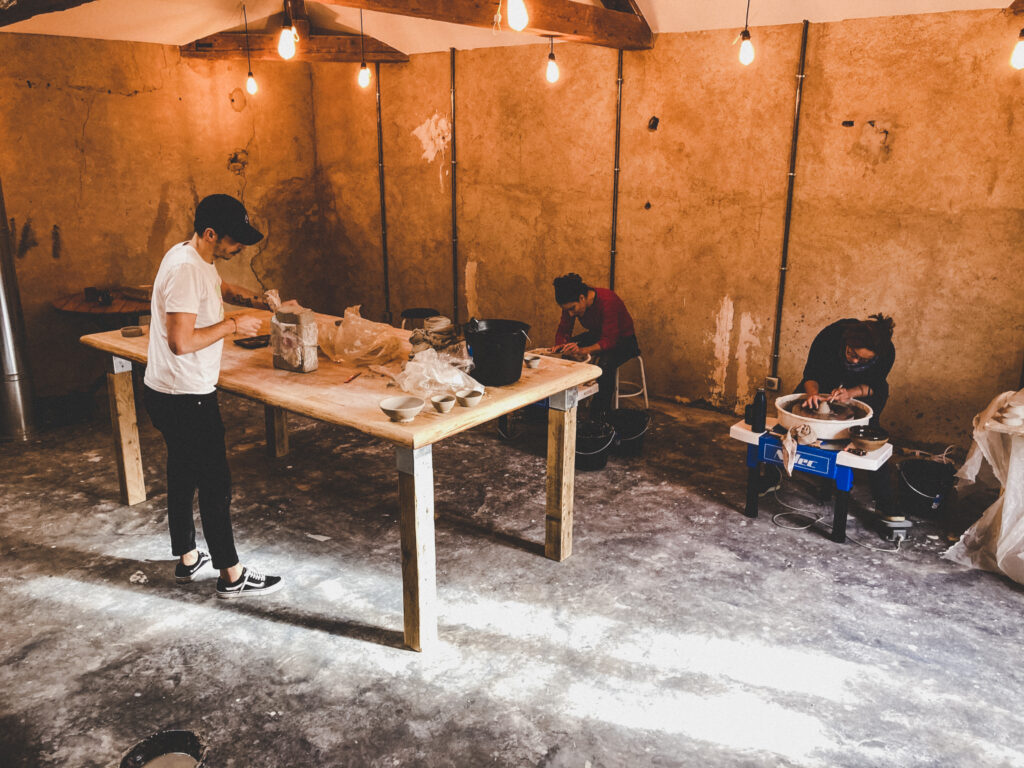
[996,541]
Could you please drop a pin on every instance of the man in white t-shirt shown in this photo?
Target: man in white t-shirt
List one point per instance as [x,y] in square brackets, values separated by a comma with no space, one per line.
[186,337]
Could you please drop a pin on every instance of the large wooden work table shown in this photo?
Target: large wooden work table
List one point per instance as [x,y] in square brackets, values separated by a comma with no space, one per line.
[324,394]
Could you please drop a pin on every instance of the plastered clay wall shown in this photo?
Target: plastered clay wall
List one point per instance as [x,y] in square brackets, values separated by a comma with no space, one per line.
[916,210]
[108,147]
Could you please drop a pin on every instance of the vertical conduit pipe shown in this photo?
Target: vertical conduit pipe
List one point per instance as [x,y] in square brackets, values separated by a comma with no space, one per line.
[615,183]
[455,229]
[383,204]
[784,265]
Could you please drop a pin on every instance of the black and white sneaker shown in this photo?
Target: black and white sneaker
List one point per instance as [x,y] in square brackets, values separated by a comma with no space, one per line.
[184,573]
[249,584]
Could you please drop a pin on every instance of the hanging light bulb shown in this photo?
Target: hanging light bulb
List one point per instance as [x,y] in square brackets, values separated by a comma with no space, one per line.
[552,70]
[364,71]
[518,18]
[1017,59]
[746,48]
[289,37]
[251,81]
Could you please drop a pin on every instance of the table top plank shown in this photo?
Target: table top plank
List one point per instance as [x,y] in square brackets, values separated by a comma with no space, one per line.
[323,394]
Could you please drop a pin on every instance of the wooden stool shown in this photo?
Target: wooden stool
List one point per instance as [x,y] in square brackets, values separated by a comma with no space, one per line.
[641,387]
[417,313]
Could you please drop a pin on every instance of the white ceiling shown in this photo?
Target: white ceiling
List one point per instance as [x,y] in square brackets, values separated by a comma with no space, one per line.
[176,22]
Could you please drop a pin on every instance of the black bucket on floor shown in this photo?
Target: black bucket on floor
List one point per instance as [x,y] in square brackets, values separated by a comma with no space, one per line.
[594,440]
[630,426]
[172,748]
[497,350]
[923,486]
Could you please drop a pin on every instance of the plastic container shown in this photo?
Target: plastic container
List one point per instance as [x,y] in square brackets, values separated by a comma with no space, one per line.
[923,485]
[594,441]
[630,427]
[497,348]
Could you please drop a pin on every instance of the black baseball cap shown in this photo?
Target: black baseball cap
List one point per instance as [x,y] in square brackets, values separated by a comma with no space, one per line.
[226,216]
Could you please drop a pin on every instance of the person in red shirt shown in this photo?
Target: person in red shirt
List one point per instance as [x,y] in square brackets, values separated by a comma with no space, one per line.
[608,332]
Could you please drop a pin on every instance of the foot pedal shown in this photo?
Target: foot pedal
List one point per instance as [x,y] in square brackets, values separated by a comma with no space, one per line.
[895,528]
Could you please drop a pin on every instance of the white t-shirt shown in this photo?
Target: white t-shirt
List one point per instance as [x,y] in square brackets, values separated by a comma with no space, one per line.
[184,283]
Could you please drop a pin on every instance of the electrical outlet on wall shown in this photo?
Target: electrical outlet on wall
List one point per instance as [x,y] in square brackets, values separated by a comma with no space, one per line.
[772,383]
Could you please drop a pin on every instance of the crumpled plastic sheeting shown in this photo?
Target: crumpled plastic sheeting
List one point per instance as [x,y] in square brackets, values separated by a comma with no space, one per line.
[432,373]
[359,341]
[996,541]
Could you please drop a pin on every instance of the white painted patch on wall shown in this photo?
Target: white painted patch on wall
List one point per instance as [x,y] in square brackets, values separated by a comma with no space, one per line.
[721,339]
[748,342]
[435,133]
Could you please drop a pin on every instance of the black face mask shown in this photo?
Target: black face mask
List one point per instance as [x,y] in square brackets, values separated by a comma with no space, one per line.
[860,367]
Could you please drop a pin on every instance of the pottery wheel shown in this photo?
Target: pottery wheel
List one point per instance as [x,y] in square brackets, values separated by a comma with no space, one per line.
[837,411]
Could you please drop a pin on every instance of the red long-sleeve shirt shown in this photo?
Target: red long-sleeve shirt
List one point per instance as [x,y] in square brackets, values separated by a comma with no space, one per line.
[607,316]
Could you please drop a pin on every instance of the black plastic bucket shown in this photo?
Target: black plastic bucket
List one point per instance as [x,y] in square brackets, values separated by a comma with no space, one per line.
[497,350]
[923,486]
[594,441]
[630,427]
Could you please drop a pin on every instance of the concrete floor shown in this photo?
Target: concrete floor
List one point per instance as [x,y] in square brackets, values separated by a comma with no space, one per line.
[678,633]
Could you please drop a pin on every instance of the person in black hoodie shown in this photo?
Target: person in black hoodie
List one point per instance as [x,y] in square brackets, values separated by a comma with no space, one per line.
[850,359]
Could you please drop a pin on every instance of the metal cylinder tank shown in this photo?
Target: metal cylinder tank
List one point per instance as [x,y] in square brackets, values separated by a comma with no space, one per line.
[17,418]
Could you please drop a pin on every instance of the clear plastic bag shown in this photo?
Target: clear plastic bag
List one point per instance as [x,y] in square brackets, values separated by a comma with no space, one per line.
[358,341]
[433,373]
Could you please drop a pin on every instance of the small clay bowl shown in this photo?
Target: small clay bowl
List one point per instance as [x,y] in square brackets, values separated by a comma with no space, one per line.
[442,403]
[1011,420]
[402,409]
[468,397]
[532,361]
[1014,410]
[868,438]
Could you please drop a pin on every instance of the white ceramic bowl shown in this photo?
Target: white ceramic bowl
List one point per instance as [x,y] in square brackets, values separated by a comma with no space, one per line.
[532,361]
[823,428]
[403,408]
[1014,410]
[442,403]
[468,397]
[1012,421]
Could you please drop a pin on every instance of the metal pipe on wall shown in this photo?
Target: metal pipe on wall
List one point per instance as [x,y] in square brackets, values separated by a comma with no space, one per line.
[615,185]
[784,265]
[17,418]
[383,204]
[455,228]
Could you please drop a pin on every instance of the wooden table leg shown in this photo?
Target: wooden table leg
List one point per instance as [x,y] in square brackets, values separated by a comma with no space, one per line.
[277,431]
[419,579]
[127,450]
[561,474]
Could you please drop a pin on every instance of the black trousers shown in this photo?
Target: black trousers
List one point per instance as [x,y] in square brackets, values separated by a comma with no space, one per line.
[609,361]
[196,460]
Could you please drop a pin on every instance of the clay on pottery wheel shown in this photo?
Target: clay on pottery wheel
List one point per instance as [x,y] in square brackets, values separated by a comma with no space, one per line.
[836,411]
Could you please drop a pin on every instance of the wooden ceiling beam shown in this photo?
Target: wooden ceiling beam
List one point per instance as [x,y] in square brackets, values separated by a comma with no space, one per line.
[561,18]
[311,47]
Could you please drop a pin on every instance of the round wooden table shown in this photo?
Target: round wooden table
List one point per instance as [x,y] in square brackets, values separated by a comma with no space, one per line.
[77,304]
